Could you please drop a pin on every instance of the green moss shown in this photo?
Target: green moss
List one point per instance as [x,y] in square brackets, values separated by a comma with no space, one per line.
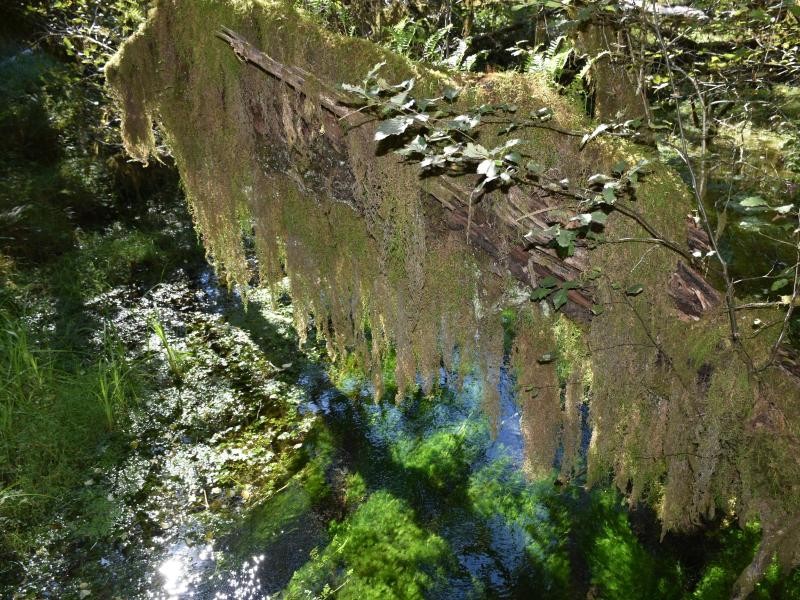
[442,459]
[378,552]
[573,355]
[384,279]
[619,564]
[355,489]
[314,475]
[498,490]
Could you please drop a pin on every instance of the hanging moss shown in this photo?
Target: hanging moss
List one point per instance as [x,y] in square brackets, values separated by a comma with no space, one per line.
[677,418]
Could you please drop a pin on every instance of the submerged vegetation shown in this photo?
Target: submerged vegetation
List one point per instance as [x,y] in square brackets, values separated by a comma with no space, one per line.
[446,357]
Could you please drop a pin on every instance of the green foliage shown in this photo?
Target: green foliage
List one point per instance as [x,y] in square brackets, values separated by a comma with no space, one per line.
[498,490]
[335,13]
[355,489]
[378,552]
[734,548]
[442,459]
[175,358]
[87,34]
[54,410]
[107,259]
[620,566]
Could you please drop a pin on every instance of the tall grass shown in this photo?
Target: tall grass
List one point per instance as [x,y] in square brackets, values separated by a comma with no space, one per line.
[117,384]
[55,409]
[175,358]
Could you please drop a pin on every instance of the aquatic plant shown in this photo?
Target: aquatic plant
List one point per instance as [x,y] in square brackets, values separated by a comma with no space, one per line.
[55,408]
[175,357]
[378,552]
[117,385]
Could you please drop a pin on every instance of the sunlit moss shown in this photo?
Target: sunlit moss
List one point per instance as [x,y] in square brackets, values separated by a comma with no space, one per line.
[442,459]
[355,489]
[498,490]
[378,552]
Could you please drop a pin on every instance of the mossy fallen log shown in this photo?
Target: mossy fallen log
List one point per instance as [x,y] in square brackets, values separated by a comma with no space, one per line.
[378,259]
[525,262]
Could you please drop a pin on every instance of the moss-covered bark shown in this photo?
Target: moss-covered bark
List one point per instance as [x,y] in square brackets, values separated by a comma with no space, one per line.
[676,416]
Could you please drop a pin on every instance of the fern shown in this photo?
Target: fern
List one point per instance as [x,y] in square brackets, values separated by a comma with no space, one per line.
[432,50]
[401,36]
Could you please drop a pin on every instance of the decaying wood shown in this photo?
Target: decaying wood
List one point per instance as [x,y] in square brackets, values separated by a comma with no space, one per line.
[692,294]
[503,240]
[509,231]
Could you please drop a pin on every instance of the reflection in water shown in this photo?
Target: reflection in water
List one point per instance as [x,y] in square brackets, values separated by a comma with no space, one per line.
[182,571]
[175,574]
[191,572]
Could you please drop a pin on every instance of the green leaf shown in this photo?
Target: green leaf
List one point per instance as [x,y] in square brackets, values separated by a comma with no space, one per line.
[559,298]
[753,201]
[590,136]
[548,282]
[599,217]
[451,93]
[634,290]
[599,179]
[433,161]
[398,100]
[778,284]
[565,238]
[464,122]
[508,129]
[513,157]
[610,194]
[406,85]
[597,309]
[487,167]
[540,293]
[534,168]
[475,151]
[353,89]
[374,70]
[620,168]
[390,127]
[415,146]
[425,103]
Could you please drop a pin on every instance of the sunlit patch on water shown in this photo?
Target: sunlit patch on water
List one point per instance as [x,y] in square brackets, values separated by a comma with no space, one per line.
[193,572]
[246,584]
[182,572]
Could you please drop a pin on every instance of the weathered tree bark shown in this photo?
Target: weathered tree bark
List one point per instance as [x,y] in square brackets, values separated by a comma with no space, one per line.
[501,235]
[509,233]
